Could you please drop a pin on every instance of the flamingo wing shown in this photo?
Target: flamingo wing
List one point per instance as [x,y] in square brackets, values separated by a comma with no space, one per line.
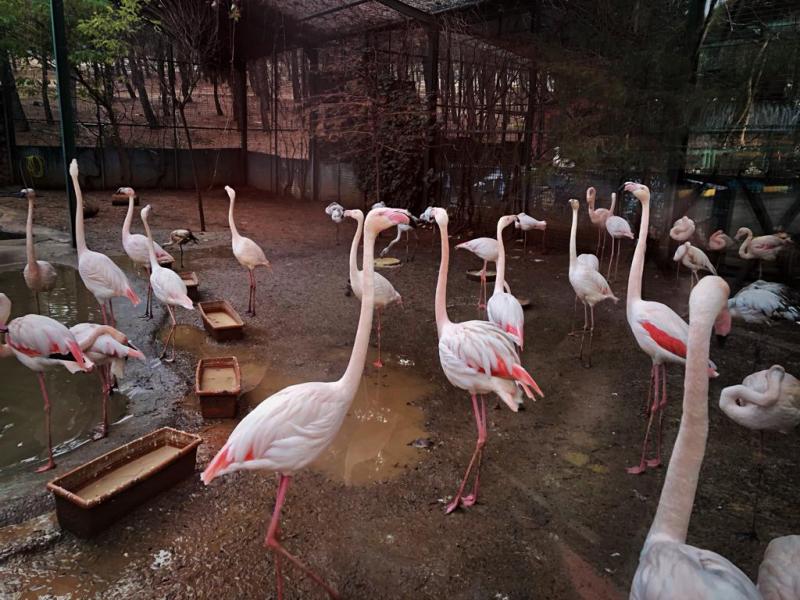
[485,248]
[778,576]
[505,311]
[664,327]
[104,278]
[37,336]
[248,253]
[170,288]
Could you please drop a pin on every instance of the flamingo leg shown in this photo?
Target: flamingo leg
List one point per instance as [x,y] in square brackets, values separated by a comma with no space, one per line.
[616,264]
[170,337]
[585,328]
[588,364]
[482,292]
[378,363]
[38,306]
[50,462]
[655,462]
[253,290]
[111,312]
[407,236]
[148,307]
[642,466]
[180,247]
[677,270]
[611,259]
[472,498]
[759,485]
[104,372]
[544,246]
[645,410]
[103,311]
[457,500]
[272,542]
[525,241]
[599,236]
[574,311]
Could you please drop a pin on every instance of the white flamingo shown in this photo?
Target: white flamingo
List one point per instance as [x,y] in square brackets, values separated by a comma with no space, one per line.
[40,275]
[503,309]
[487,250]
[765,302]
[104,279]
[527,223]
[693,259]
[291,428]
[618,228]
[247,252]
[719,241]
[598,217]
[167,286]
[135,246]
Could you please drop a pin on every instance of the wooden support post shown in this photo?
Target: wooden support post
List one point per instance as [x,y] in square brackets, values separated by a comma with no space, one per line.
[432,100]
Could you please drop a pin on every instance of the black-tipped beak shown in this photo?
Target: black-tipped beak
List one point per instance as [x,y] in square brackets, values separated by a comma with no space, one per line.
[721,339]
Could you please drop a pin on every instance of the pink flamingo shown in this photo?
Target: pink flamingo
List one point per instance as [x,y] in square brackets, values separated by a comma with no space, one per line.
[40,343]
[589,285]
[100,275]
[768,400]
[247,252]
[693,259]
[527,223]
[763,247]
[503,309]
[487,250]
[719,241]
[617,228]
[167,285]
[658,330]
[682,230]
[385,294]
[135,245]
[478,357]
[598,217]
[292,427]
[108,349]
[40,275]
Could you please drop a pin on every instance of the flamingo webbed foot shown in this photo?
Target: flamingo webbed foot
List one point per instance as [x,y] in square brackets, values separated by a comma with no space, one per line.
[654,463]
[637,470]
[99,432]
[50,465]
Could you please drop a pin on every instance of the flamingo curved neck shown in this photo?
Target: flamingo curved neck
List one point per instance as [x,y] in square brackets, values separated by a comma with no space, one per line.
[680,485]
[126,225]
[80,235]
[637,264]
[441,282]
[500,276]
[98,331]
[613,204]
[231,223]
[359,218]
[573,234]
[29,250]
[744,249]
[355,367]
[151,251]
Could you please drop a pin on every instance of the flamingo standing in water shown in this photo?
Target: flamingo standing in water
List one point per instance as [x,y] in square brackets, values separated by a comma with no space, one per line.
[136,247]
[658,330]
[478,357]
[617,228]
[589,285]
[693,259]
[598,217]
[108,349]
[527,223]
[104,279]
[40,343]
[486,249]
[291,428]
[40,275]
[384,293]
[768,400]
[682,230]
[167,285]
[763,247]
[247,252]
[503,309]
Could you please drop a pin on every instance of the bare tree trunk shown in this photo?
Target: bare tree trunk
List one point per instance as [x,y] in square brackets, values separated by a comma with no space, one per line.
[144,99]
[20,119]
[181,110]
[163,84]
[217,105]
[48,112]
[126,78]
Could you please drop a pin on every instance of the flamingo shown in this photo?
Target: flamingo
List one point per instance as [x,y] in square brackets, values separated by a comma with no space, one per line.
[104,279]
[682,230]
[719,241]
[768,400]
[247,252]
[763,247]
[108,349]
[288,430]
[526,223]
[136,247]
[503,309]
[181,237]
[617,228]
[658,330]
[40,275]
[486,249]
[336,212]
[384,292]
[41,343]
[764,302]
[167,285]
[589,285]
[598,217]
[477,357]
[401,229]
[693,259]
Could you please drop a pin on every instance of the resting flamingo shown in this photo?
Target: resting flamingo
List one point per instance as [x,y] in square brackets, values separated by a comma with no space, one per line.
[658,330]
[384,295]
[40,275]
[288,430]
[681,231]
[719,241]
[247,252]
[135,246]
[766,302]
[487,250]
[693,259]
[589,285]
[167,286]
[768,400]
[477,357]
[527,223]
[104,279]
[108,349]
[618,228]
[598,217]
[503,309]
[763,247]
[40,343]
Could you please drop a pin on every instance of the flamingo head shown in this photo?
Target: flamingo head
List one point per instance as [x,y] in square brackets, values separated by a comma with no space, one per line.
[742,233]
[127,191]
[231,193]
[574,204]
[427,215]
[776,373]
[641,192]
[354,213]
[434,213]
[73,168]
[380,219]
[146,212]
[507,220]
[27,193]
[5,311]
[709,302]
[591,194]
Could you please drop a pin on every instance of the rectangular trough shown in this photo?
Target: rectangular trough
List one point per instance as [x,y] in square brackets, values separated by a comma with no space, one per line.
[221,321]
[93,496]
[218,383]
[192,284]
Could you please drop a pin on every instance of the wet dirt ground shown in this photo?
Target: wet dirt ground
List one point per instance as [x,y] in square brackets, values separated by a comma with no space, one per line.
[558,516]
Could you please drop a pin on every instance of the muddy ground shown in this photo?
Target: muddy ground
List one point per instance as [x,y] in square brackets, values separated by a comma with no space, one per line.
[558,516]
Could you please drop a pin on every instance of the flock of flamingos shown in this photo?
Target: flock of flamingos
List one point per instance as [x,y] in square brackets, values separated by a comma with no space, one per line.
[288,430]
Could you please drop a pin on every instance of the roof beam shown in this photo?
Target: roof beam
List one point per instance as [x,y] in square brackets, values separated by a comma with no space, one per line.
[409,11]
[335,9]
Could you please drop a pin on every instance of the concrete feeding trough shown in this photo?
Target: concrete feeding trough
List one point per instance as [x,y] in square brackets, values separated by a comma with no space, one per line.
[192,284]
[122,200]
[476,275]
[218,383]
[100,492]
[221,321]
